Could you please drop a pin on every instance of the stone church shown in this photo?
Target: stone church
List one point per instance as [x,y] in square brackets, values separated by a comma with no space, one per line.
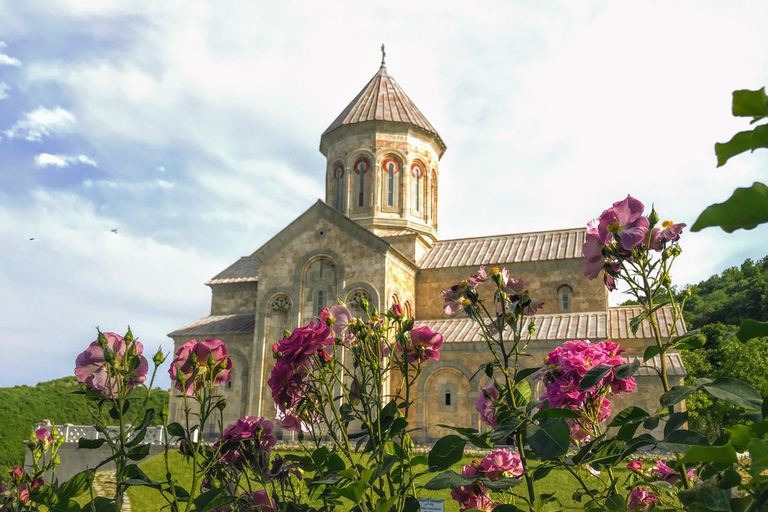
[376,236]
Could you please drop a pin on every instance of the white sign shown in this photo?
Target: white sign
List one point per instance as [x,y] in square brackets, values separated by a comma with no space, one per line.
[431,505]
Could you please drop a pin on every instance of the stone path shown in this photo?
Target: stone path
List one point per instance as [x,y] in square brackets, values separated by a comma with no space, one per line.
[104,485]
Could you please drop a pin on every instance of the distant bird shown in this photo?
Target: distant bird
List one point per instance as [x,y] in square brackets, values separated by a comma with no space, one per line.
[114,231]
[31,238]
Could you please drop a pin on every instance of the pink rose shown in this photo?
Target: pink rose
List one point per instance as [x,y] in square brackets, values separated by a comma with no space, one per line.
[424,344]
[486,405]
[247,440]
[501,464]
[639,499]
[635,465]
[192,361]
[397,310]
[91,366]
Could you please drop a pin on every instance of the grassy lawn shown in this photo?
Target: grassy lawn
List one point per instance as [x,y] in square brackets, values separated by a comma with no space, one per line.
[148,500]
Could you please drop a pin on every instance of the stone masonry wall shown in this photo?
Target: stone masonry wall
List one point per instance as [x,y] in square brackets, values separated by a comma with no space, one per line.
[541,278]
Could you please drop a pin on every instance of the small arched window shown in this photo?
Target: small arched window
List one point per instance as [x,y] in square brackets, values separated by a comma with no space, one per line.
[448,399]
[565,298]
[231,379]
[417,175]
[339,177]
[320,301]
[361,167]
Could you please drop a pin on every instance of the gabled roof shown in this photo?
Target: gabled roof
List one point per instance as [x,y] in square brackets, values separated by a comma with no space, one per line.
[219,324]
[382,99]
[612,324]
[515,248]
[244,270]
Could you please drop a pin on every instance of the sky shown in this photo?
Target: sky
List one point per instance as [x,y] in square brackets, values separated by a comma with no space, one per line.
[192,128]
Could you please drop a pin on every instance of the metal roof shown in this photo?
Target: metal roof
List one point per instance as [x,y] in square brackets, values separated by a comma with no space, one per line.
[243,323]
[244,270]
[611,324]
[514,248]
[382,99]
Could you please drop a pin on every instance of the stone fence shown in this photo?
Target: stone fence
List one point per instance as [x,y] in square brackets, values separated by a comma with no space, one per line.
[75,460]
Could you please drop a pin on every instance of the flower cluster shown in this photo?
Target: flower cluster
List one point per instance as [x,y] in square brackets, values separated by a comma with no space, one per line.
[567,365]
[297,355]
[110,360]
[247,443]
[199,364]
[250,501]
[639,499]
[486,404]
[498,464]
[423,344]
[23,486]
[620,230]
[510,295]
[669,475]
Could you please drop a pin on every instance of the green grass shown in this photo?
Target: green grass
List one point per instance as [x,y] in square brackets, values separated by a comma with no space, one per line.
[148,500]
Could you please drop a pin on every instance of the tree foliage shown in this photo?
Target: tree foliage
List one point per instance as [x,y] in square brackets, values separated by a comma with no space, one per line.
[717,306]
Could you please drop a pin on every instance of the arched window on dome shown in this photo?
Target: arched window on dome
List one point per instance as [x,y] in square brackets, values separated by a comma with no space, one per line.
[417,173]
[565,298]
[390,184]
[361,168]
[338,175]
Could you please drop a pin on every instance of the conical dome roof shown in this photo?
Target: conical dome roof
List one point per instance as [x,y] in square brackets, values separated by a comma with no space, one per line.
[382,99]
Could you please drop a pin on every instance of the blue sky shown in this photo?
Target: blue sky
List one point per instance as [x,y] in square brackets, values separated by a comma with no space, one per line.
[192,128]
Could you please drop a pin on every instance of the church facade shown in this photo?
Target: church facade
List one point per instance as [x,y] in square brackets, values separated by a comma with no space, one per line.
[376,236]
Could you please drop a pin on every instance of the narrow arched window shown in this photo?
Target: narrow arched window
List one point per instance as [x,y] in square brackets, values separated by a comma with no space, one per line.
[565,298]
[339,186]
[361,189]
[391,184]
[320,302]
[417,174]
[448,397]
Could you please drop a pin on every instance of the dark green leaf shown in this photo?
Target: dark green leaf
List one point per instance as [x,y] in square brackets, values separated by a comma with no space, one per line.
[615,502]
[507,507]
[625,371]
[748,103]
[449,480]
[676,395]
[76,485]
[138,438]
[526,372]
[555,413]
[726,454]
[651,423]
[176,430]
[213,499]
[593,377]
[489,370]
[630,414]
[627,432]
[681,440]
[461,430]
[384,504]
[90,444]
[385,467]
[735,392]
[746,208]
[504,430]
[139,453]
[650,352]
[446,452]
[675,421]
[752,329]
[731,478]
[503,483]
[353,492]
[634,324]
[550,438]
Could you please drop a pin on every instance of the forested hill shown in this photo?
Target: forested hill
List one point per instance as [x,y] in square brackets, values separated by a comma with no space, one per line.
[717,306]
[730,298]
[23,406]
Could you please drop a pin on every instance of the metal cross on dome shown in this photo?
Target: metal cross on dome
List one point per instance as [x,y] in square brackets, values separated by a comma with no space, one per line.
[383,54]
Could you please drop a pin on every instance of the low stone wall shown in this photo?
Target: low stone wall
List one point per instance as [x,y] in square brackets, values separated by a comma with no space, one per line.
[74,460]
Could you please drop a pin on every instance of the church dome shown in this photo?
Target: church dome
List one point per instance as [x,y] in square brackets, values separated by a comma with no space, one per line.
[382,99]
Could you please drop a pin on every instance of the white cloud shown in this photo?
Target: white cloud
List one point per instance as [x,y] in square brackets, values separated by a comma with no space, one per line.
[42,122]
[46,160]
[76,274]
[5,60]
[3,88]
[133,187]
